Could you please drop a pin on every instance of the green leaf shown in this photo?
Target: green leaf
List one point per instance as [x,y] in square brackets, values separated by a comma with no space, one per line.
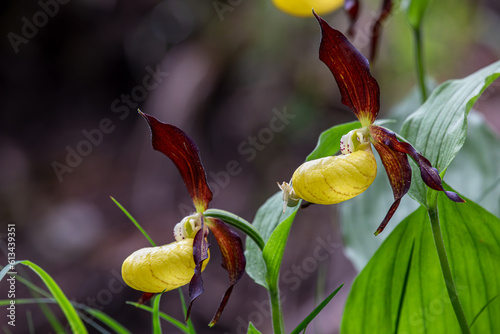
[134,221]
[402,290]
[267,218]
[156,314]
[478,159]
[275,247]
[252,329]
[415,10]
[69,311]
[439,127]
[329,140]
[315,312]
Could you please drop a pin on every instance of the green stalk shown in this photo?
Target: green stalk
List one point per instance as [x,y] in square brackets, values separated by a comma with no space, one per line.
[417,32]
[238,222]
[445,265]
[276,313]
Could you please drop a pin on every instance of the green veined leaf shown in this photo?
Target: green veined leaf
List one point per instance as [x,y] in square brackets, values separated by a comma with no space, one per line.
[275,247]
[267,218]
[439,127]
[402,290]
[315,312]
[69,311]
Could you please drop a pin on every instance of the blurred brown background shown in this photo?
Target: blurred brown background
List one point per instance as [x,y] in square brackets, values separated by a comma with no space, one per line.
[240,77]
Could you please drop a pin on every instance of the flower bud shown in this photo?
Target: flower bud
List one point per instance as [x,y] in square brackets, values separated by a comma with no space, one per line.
[161,268]
[335,179]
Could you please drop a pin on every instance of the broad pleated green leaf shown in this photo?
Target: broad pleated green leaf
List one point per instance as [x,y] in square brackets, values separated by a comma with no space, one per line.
[439,127]
[267,218]
[479,159]
[402,289]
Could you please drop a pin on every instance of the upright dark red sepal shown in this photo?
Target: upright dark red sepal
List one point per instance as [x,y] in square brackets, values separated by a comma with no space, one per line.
[384,13]
[200,254]
[352,9]
[233,258]
[182,150]
[359,90]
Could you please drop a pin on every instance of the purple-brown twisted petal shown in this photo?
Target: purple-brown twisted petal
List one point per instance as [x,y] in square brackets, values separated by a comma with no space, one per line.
[233,258]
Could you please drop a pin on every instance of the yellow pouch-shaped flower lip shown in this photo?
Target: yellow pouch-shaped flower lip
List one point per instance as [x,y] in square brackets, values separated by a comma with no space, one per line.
[161,268]
[304,7]
[335,179]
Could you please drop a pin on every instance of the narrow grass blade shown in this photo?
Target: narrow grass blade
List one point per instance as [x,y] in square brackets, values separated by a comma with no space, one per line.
[133,221]
[315,312]
[103,317]
[69,311]
[481,311]
[156,315]
[166,317]
[189,323]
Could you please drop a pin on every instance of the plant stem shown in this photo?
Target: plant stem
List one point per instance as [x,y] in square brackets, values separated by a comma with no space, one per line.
[420,63]
[277,315]
[445,266]
[238,222]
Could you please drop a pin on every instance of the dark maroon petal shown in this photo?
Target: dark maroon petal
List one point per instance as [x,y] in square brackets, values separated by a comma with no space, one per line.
[182,150]
[397,167]
[430,175]
[384,13]
[352,9]
[233,258]
[200,254]
[351,70]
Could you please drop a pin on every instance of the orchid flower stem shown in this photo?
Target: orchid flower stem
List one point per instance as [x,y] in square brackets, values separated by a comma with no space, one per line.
[445,266]
[238,222]
[277,315]
[420,63]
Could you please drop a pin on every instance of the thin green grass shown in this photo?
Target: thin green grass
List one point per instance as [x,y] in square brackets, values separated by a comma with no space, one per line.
[134,221]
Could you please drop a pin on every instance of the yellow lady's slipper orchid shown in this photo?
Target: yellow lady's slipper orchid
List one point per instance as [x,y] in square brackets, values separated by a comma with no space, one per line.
[338,178]
[162,268]
[335,179]
[305,7]
[157,269]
